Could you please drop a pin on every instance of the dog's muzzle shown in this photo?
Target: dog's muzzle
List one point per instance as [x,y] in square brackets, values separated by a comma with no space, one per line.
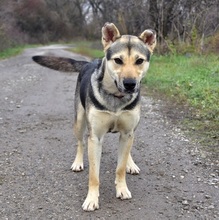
[129,84]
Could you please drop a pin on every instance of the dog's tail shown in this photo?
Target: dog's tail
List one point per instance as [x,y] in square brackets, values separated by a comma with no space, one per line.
[60,63]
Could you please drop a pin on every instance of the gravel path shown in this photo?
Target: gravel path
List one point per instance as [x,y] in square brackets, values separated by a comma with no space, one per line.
[37,149]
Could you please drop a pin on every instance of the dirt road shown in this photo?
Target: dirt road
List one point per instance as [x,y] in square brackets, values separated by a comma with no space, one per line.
[37,149]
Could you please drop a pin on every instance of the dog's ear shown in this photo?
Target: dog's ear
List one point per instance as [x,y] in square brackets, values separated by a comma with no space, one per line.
[149,38]
[109,34]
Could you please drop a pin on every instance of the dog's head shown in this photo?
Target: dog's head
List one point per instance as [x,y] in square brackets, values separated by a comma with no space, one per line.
[127,56]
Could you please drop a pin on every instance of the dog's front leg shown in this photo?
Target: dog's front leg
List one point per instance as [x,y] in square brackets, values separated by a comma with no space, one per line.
[125,144]
[131,167]
[94,154]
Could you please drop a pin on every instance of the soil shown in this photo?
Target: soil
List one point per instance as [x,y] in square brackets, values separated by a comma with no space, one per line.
[37,146]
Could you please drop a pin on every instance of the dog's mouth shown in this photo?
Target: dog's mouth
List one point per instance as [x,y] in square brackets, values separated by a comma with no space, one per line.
[119,95]
[128,86]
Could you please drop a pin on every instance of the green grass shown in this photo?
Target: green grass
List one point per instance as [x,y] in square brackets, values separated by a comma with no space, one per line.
[194,82]
[16,50]
[90,49]
[11,52]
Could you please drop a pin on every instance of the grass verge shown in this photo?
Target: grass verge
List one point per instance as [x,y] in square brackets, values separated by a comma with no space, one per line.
[10,52]
[14,51]
[90,49]
[194,80]
[191,81]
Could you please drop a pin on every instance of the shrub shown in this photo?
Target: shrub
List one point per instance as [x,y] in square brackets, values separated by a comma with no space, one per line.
[4,42]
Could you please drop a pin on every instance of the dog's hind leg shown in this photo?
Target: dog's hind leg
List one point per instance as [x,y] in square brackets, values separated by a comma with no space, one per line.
[79,128]
[131,167]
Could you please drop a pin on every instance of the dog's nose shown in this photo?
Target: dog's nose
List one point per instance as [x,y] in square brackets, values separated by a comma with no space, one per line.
[129,84]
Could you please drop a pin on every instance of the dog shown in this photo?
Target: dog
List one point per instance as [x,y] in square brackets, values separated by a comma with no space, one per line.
[107,99]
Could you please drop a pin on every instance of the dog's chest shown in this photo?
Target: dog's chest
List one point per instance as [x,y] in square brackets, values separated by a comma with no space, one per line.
[101,122]
[125,121]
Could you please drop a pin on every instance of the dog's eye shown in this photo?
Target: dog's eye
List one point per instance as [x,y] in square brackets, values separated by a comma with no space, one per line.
[139,61]
[118,61]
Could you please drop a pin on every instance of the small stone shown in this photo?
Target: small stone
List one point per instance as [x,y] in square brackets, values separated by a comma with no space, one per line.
[211,207]
[207,196]
[186,171]
[186,207]
[185,202]
[22,130]
[193,153]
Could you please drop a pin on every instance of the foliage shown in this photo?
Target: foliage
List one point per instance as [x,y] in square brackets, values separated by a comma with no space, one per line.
[212,44]
[41,25]
[176,22]
[4,41]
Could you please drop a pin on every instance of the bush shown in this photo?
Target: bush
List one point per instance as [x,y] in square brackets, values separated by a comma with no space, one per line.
[212,44]
[41,25]
[4,42]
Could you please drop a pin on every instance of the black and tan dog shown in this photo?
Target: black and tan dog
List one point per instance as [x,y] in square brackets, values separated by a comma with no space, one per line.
[107,99]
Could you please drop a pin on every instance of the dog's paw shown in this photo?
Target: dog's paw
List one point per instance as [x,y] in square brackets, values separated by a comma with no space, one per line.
[123,193]
[90,204]
[77,166]
[132,168]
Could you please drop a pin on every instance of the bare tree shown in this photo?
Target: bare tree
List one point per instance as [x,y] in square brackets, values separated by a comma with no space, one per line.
[176,22]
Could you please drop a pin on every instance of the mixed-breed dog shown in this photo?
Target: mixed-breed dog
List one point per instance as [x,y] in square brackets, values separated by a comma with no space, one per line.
[107,99]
